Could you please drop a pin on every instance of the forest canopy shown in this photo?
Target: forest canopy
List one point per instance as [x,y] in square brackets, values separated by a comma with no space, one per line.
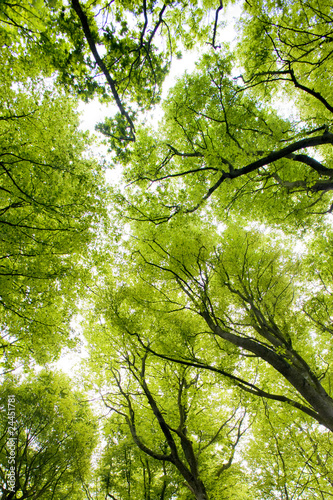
[198,288]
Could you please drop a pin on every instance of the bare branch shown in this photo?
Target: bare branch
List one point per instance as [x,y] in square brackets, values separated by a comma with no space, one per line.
[218,10]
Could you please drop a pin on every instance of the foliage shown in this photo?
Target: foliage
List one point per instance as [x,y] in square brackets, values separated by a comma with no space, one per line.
[175,415]
[294,458]
[210,307]
[238,288]
[130,43]
[294,53]
[53,434]
[52,202]
[125,472]
[220,150]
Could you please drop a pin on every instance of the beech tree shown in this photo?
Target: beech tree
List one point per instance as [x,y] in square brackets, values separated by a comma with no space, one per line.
[52,436]
[53,200]
[239,288]
[173,419]
[236,305]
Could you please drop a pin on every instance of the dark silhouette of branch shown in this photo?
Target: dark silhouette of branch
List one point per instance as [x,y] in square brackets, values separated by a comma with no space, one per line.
[112,83]
[316,165]
[274,76]
[326,138]
[241,383]
[312,92]
[218,10]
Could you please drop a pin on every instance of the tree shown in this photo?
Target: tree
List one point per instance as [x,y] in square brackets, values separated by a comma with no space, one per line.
[52,202]
[52,437]
[204,278]
[171,418]
[219,144]
[199,298]
[257,290]
[118,51]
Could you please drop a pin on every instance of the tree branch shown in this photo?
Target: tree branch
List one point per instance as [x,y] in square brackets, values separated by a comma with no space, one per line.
[312,92]
[242,384]
[112,83]
[326,138]
[311,162]
[220,7]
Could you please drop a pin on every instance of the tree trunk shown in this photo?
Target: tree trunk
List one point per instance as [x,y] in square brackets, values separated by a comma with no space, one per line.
[299,376]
